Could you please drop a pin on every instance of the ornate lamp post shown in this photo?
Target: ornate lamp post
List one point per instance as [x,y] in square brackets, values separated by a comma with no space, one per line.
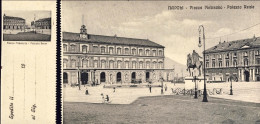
[204,70]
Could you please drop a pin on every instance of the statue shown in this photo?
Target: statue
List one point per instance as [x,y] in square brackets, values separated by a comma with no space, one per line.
[194,62]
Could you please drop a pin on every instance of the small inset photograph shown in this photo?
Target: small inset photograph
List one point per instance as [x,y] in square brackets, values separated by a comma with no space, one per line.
[27,25]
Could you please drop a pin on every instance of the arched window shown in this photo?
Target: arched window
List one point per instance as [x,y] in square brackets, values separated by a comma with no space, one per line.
[103,64]
[160,65]
[119,64]
[65,47]
[111,50]
[160,53]
[84,49]
[140,65]
[65,62]
[134,51]
[73,48]
[111,64]
[85,63]
[126,51]
[148,52]
[126,64]
[154,52]
[118,50]
[154,65]
[95,63]
[102,49]
[73,63]
[140,52]
[134,64]
[245,62]
[147,64]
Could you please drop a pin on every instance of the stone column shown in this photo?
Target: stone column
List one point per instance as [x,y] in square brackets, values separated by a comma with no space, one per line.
[253,74]
[242,75]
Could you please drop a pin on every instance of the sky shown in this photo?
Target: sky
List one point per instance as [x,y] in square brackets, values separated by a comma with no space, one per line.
[177,30]
[28,15]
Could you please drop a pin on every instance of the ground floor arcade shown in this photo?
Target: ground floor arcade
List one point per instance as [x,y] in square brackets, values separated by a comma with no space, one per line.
[242,74]
[90,76]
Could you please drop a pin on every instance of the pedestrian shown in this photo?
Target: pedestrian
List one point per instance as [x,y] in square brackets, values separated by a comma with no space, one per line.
[114,89]
[86,91]
[107,99]
[165,87]
[103,99]
[150,88]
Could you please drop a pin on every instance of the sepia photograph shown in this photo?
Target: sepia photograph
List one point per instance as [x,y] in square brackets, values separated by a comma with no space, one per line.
[160,62]
[28,62]
[27,25]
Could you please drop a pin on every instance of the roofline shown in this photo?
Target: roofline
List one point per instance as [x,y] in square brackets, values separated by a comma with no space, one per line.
[43,19]
[206,51]
[100,42]
[15,17]
[217,51]
[159,45]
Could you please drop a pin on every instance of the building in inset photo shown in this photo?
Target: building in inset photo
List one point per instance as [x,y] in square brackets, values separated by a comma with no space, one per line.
[240,58]
[27,26]
[111,59]
[13,23]
[42,25]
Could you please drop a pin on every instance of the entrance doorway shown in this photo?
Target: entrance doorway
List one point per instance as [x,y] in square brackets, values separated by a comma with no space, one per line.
[65,77]
[133,77]
[103,77]
[147,75]
[247,76]
[84,78]
[118,77]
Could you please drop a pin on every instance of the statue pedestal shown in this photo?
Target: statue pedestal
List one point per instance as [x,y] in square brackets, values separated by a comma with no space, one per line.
[190,83]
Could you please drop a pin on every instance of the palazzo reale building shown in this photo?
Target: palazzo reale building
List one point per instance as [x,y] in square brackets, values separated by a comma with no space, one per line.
[111,59]
[240,58]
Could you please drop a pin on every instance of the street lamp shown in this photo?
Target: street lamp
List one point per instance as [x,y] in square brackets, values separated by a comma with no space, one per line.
[204,91]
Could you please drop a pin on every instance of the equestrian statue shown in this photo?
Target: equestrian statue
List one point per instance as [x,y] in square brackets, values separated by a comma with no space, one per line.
[193,61]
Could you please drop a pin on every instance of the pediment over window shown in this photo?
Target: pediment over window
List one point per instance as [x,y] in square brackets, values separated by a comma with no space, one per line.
[245,46]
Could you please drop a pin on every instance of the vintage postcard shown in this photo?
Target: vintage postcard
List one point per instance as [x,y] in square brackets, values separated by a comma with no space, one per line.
[27,25]
[161,62]
[28,62]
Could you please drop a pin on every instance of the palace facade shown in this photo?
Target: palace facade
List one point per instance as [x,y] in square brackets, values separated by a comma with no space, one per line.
[13,23]
[44,23]
[240,58]
[111,59]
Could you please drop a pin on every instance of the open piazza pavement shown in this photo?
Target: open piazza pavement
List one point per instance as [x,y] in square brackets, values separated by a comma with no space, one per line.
[138,105]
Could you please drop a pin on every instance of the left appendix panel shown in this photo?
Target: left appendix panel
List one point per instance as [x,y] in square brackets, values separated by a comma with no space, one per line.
[28,62]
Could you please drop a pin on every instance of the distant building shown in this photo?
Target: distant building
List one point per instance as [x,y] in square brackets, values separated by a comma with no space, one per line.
[13,23]
[240,58]
[44,23]
[111,59]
